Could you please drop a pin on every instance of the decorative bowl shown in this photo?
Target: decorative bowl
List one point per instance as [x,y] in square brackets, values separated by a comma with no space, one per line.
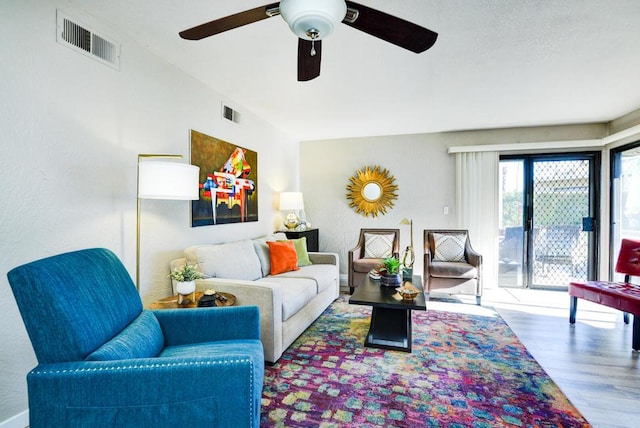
[407,293]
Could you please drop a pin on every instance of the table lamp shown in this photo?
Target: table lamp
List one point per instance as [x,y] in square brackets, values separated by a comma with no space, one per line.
[291,201]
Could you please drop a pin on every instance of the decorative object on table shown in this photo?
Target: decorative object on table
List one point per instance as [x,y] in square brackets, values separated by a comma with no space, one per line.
[185,281]
[372,191]
[292,202]
[407,291]
[390,272]
[208,298]
[162,180]
[375,273]
[408,255]
[228,182]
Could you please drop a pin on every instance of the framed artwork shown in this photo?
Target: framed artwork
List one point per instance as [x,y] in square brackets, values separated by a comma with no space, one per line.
[228,182]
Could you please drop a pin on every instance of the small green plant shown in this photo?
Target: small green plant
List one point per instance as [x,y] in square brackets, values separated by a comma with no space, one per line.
[391,265]
[186,273]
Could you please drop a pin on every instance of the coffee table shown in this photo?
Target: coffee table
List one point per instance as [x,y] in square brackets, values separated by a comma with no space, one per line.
[391,316]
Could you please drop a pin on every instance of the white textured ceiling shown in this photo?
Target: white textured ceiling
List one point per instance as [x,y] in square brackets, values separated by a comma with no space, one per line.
[496,64]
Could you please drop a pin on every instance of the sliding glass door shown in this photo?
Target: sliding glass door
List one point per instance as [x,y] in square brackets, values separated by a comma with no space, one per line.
[547,220]
[625,198]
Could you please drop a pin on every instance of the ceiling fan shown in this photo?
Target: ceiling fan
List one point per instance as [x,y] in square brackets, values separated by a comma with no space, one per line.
[313,20]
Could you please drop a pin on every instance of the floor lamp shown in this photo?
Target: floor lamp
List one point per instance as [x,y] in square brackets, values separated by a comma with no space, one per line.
[163,180]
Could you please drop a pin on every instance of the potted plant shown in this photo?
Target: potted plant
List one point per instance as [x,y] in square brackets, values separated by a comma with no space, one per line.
[185,277]
[390,272]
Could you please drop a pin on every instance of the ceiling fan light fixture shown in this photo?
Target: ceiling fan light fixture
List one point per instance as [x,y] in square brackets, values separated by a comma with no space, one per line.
[313,19]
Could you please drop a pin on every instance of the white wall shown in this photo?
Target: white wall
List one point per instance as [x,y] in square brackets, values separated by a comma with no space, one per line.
[71,132]
[423,171]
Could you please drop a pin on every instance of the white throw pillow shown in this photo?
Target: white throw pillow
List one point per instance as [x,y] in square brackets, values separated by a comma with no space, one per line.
[449,248]
[378,246]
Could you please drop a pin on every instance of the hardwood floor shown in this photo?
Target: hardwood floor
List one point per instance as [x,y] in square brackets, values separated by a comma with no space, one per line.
[592,361]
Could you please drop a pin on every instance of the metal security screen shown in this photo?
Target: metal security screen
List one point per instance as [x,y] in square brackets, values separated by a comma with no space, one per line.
[560,202]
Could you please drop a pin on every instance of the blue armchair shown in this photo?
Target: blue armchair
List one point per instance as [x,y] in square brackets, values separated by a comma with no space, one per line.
[103,361]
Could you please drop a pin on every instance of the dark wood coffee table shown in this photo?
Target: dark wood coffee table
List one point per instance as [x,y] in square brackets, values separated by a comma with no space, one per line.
[391,316]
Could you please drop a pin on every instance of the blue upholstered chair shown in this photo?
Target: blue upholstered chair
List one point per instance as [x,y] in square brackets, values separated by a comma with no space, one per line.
[103,361]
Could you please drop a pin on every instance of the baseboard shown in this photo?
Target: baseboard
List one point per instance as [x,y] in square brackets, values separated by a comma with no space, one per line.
[344,284]
[344,280]
[21,420]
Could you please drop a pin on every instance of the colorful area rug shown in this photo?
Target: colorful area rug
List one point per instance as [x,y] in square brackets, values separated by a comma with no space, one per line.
[467,369]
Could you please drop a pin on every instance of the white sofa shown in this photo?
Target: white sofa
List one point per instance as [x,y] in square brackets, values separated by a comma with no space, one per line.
[289,302]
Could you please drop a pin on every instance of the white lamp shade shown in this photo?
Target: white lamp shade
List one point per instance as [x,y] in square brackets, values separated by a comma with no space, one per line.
[291,201]
[321,16]
[168,180]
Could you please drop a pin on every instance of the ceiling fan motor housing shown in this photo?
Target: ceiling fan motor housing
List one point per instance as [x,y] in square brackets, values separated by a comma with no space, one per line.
[313,19]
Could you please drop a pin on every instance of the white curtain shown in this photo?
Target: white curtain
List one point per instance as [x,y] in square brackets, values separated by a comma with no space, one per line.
[477,206]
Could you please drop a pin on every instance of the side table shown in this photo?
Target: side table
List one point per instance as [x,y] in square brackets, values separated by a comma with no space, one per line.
[171,302]
[313,243]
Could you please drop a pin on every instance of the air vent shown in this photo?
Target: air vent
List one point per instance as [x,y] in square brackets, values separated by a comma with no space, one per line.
[230,114]
[85,41]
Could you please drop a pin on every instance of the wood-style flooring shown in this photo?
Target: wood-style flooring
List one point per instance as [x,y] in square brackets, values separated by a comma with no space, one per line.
[592,361]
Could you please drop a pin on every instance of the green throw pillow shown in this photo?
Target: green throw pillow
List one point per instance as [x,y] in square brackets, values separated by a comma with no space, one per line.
[300,245]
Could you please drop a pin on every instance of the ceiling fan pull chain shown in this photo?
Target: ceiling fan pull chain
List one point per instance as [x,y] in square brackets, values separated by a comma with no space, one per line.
[313,35]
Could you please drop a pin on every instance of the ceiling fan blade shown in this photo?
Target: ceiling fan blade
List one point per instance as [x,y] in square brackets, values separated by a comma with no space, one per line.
[394,30]
[308,64]
[230,22]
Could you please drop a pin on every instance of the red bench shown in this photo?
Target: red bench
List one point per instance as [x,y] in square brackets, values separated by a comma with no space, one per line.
[618,295]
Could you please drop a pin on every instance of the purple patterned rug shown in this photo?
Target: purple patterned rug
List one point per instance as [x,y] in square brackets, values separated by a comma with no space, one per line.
[467,369]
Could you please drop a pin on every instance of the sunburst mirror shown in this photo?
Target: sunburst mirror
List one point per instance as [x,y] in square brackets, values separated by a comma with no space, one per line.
[372,191]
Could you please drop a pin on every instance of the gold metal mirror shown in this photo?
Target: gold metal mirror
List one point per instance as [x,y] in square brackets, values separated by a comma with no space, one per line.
[372,191]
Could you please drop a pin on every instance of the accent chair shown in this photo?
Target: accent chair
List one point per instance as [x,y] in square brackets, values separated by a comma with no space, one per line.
[103,361]
[450,263]
[374,245]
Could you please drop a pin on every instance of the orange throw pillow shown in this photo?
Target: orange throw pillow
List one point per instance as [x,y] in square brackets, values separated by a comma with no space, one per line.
[283,257]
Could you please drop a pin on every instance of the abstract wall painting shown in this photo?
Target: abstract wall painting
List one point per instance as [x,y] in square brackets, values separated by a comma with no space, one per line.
[228,182]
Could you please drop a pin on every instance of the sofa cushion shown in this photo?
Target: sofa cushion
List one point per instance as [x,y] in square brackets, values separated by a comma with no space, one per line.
[301,251]
[283,257]
[142,338]
[365,265]
[453,270]
[323,275]
[377,245]
[296,293]
[235,260]
[262,250]
[449,247]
